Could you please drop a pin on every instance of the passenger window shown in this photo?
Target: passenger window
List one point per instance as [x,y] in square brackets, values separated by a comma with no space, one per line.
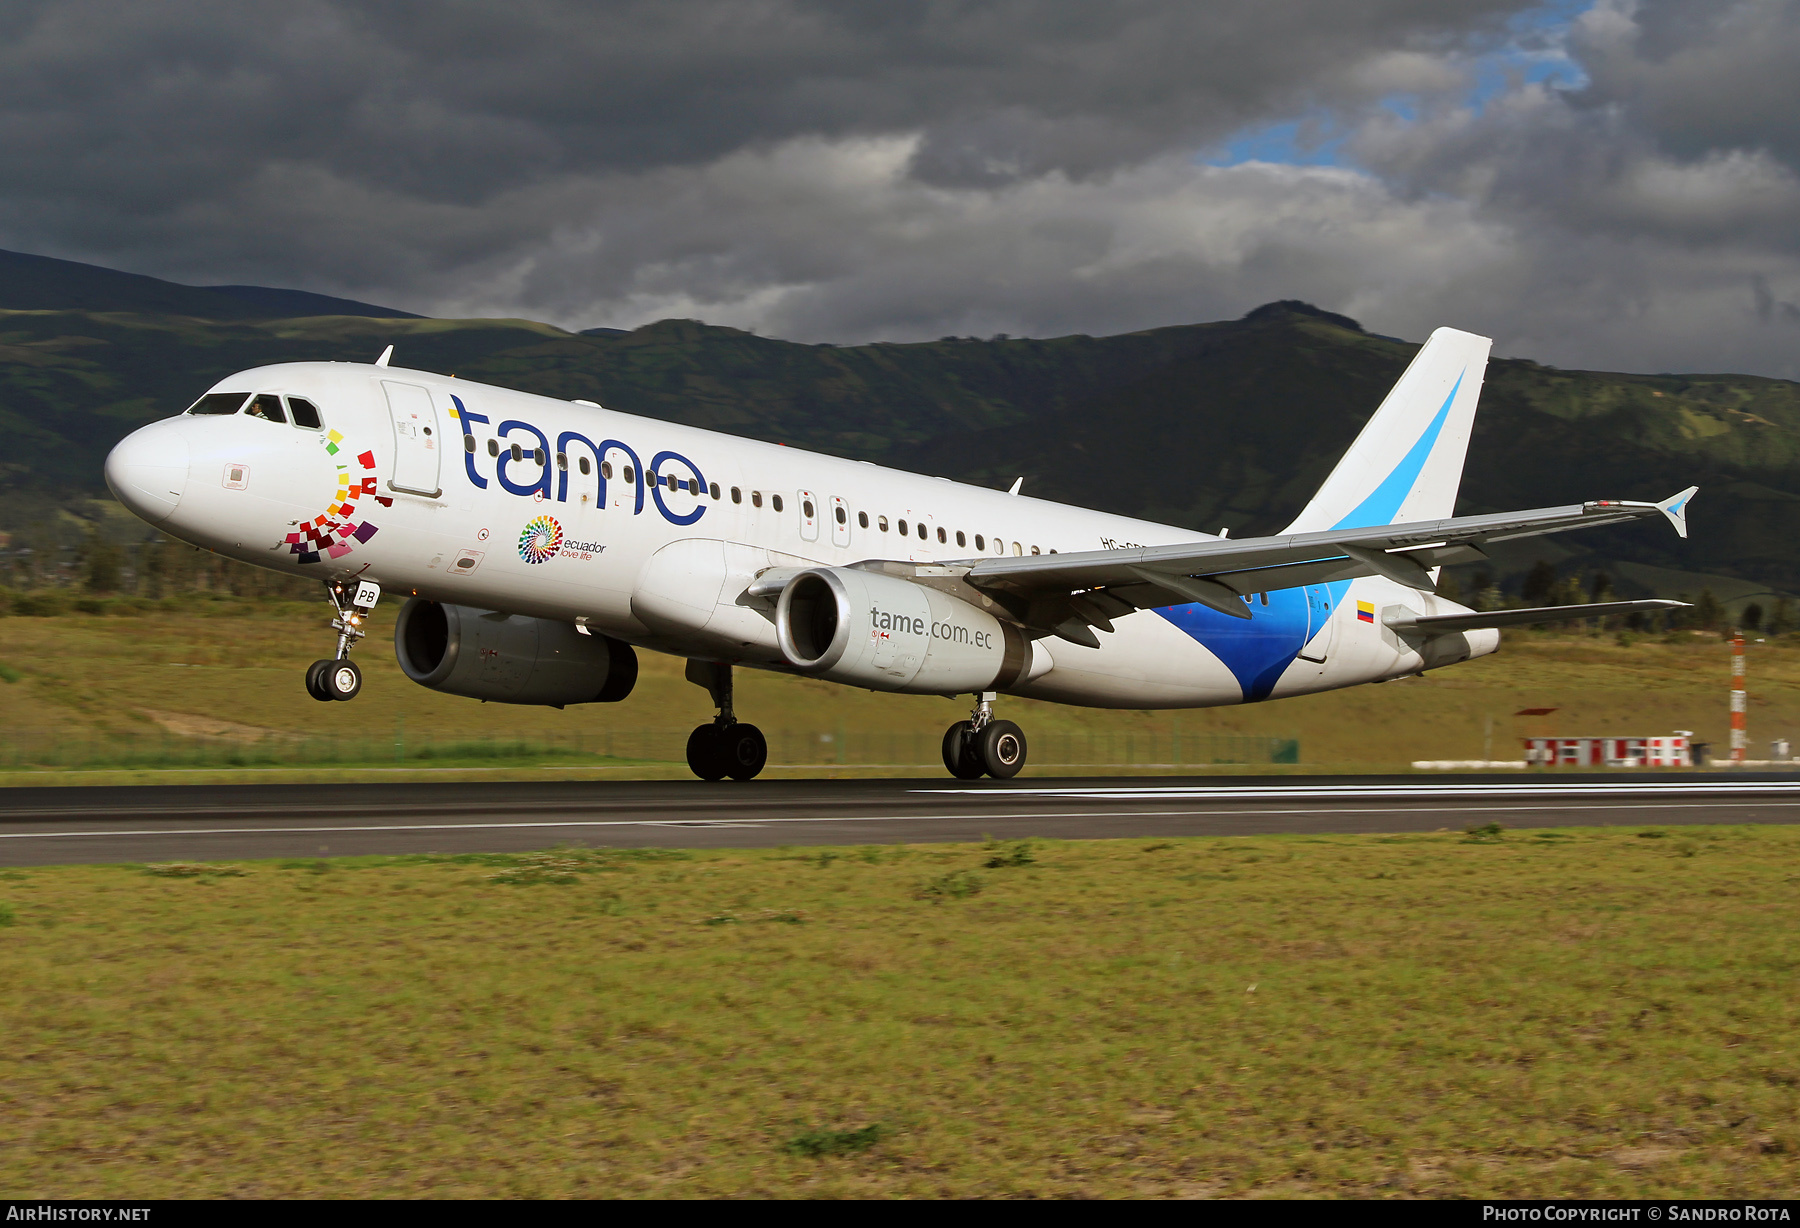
[901,525]
[219,403]
[881,523]
[468,440]
[942,537]
[713,490]
[1018,550]
[775,502]
[1035,550]
[737,495]
[960,539]
[862,519]
[518,453]
[605,468]
[562,461]
[306,414]
[980,542]
[537,454]
[1264,597]
[921,530]
[756,498]
[493,447]
[843,517]
[629,475]
[806,508]
[581,463]
[268,408]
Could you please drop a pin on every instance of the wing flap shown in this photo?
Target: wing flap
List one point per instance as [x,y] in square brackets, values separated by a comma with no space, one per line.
[1443,624]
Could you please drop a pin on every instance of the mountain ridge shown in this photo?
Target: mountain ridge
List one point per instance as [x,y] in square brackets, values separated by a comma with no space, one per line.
[40,283]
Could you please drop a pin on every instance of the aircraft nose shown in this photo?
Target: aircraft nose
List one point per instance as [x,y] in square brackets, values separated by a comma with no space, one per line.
[148,470]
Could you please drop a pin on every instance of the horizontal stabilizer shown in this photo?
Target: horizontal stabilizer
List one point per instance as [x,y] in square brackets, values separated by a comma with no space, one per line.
[1444,624]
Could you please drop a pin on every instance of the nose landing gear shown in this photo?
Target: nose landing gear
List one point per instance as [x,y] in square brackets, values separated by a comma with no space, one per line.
[338,677]
[726,746]
[983,746]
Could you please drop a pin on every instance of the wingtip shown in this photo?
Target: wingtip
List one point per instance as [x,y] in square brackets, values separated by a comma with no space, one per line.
[1675,508]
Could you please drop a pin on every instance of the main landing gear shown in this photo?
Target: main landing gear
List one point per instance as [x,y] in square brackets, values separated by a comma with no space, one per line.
[983,746]
[725,747]
[339,678]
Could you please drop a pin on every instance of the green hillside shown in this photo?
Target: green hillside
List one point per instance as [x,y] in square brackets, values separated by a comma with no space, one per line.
[1230,423]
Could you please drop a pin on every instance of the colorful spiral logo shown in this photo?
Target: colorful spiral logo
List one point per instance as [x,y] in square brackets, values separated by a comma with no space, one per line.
[541,540]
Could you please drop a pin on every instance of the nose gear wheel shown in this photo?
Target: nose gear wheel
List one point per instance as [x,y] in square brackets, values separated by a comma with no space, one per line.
[338,677]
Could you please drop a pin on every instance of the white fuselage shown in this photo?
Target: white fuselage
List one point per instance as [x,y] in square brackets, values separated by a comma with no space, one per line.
[412,482]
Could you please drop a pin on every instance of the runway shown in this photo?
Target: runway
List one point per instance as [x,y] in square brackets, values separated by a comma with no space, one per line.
[50,826]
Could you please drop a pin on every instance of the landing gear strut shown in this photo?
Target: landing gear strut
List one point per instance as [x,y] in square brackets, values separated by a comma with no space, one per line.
[983,746]
[338,677]
[726,746]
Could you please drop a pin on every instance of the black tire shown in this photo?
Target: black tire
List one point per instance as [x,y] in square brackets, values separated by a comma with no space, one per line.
[745,751]
[341,679]
[706,752]
[959,752]
[1001,748]
[315,680]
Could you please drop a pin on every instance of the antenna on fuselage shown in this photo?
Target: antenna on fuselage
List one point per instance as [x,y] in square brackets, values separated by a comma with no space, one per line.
[1014,488]
[385,355]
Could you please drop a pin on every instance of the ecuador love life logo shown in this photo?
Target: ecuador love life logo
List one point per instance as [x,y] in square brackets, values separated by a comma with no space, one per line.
[540,540]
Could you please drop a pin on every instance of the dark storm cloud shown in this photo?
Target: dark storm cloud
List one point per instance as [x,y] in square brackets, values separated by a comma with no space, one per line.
[909,169]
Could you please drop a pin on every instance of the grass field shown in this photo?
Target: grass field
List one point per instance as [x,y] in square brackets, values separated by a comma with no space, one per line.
[1585,1012]
[225,676]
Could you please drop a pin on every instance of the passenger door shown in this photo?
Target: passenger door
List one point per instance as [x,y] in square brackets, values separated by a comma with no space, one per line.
[416,439]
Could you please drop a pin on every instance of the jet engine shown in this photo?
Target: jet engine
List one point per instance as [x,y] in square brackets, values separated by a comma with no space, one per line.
[889,634]
[509,658]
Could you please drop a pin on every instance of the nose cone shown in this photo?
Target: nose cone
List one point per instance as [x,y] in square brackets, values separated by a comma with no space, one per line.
[148,470]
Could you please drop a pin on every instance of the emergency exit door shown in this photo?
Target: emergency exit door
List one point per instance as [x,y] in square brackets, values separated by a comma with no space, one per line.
[416,439]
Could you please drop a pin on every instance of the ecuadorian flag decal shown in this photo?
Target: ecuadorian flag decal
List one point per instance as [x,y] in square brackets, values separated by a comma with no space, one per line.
[1365,611]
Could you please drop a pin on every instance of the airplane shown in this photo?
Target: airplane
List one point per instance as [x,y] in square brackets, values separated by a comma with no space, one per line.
[540,543]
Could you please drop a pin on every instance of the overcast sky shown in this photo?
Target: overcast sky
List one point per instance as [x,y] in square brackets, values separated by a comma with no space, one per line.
[1607,185]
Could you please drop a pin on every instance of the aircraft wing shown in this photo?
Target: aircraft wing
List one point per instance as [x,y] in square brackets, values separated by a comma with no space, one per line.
[1067,594]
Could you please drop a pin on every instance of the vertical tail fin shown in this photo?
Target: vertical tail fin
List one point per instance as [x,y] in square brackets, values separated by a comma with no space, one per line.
[1408,461]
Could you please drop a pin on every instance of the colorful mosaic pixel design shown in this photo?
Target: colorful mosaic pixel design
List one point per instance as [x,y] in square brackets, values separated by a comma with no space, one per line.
[541,540]
[331,535]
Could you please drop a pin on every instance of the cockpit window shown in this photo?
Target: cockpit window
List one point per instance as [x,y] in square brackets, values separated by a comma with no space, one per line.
[305,413]
[219,403]
[268,407]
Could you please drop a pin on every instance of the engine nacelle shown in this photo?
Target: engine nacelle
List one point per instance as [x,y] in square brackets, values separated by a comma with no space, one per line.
[508,658]
[889,634]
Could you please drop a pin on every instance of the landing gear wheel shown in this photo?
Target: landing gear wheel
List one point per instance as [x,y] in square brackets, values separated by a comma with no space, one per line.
[745,751]
[959,751]
[341,679]
[315,679]
[706,752]
[1001,748]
